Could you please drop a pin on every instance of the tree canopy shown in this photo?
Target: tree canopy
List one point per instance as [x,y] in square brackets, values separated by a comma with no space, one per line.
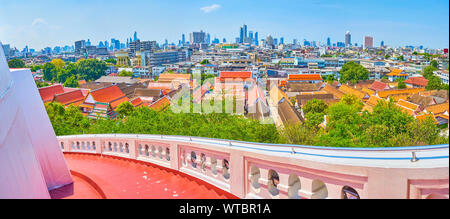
[16,63]
[352,71]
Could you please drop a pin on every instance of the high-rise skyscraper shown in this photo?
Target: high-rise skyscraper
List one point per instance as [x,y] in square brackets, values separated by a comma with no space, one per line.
[250,35]
[348,39]
[135,36]
[208,39]
[368,42]
[245,32]
[282,40]
[256,39]
[241,35]
[328,42]
[183,39]
[382,43]
[198,37]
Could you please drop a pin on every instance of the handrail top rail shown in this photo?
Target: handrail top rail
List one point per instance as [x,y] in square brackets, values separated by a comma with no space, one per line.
[193,138]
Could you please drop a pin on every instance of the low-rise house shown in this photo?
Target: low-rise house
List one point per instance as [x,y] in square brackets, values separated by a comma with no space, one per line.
[408,107]
[116,80]
[408,92]
[413,82]
[397,74]
[302,99]
[103,102]
[148,95]
[440,112]
[161,104]
[332,90]
[379,86]
[48,93]
[74,97]
[305,78]
[352,91]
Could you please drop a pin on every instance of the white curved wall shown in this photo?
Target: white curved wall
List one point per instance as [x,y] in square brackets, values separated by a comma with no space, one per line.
[306,172]
[30,160]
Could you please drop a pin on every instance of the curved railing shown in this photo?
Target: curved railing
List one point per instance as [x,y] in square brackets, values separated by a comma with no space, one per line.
[256,170]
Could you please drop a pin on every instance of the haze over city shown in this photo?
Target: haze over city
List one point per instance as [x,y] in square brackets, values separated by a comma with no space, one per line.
[52,23]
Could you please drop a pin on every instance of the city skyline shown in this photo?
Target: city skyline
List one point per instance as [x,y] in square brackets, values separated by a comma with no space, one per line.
[49,24]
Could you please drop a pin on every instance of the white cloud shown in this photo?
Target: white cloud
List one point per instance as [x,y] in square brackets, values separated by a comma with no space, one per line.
[38,21]
[208,9]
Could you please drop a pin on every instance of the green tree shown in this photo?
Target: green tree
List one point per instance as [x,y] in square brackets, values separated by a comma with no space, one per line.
[315,106]
[71,81]
[50,71]
[204,62]
[125,73]
[435,64]
[16,63]
[58,63]
[91,69]
[111,60]
[352,71]
[125,109]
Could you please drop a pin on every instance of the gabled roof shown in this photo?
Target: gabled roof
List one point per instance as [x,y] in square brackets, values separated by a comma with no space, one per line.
[112,95]
[397,72]
[437,108]
[425,116]
[368,91]
[301,87]
[305,77]
[379,86]
[47,93]
[160,104]
[408,105]
[75,97]
[168,76]
[136,102]
[142,92]
[244,75]
[349,90]
[331,90]
[410,91]
[423,101]
[373,100]
[276,95]
[287,113]
[417,81]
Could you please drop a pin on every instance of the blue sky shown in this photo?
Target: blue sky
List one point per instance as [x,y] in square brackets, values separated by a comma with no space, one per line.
[40,23]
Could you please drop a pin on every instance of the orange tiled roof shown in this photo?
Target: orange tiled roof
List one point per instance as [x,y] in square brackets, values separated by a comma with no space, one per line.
[368,91]
[305,77]
[112,95]
[424,116]
[136,102]
[410,91]
[349,90]
[397,72]
[418,81]
[75,97]
[160,104]
[437,108]
[379,86]
[174,76]
[331,90]
[47,93]
[373,100]
[244,75]
[408,105]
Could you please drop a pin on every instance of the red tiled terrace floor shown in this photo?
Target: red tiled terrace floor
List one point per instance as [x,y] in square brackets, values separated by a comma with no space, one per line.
[119,178]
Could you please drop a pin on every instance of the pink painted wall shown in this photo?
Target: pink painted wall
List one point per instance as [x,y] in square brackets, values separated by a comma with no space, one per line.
[306,176]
